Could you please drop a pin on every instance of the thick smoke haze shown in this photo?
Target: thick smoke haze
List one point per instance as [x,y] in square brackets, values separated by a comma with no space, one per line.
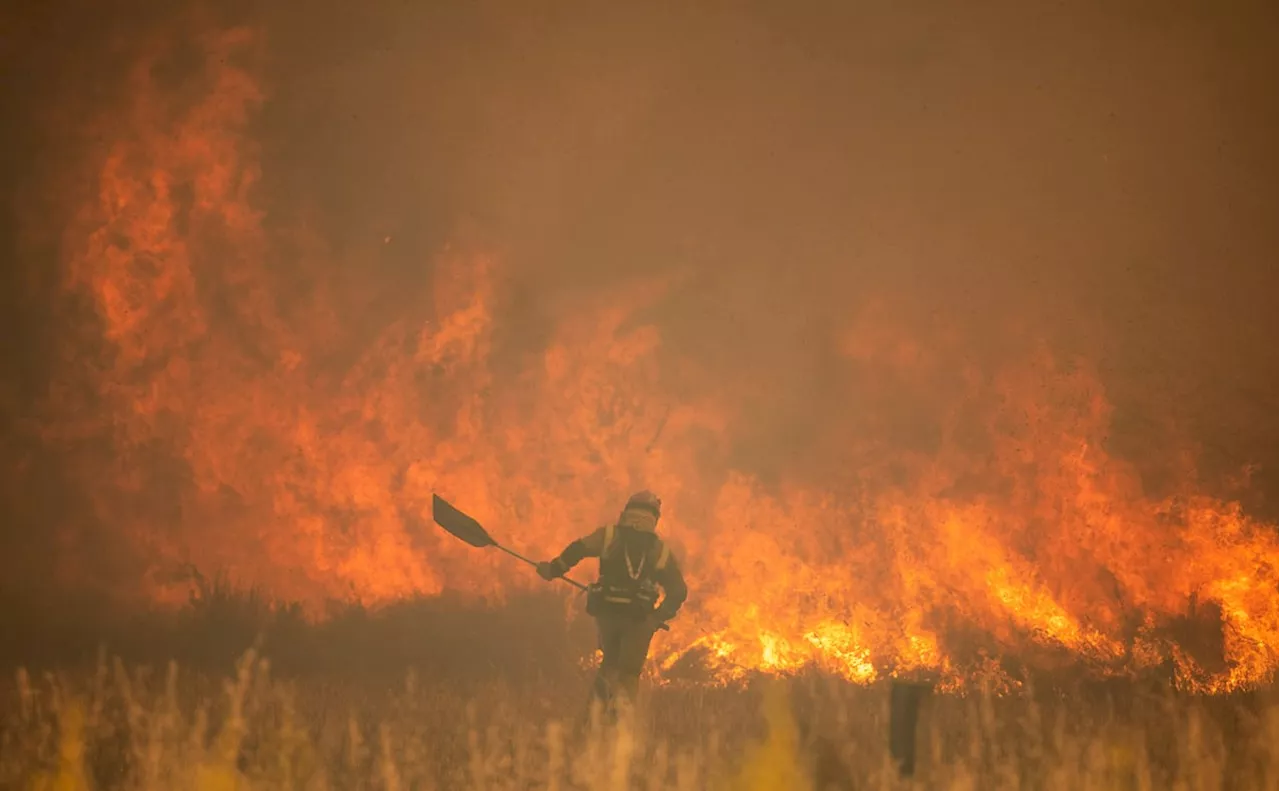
[1094,177]
[1100,173]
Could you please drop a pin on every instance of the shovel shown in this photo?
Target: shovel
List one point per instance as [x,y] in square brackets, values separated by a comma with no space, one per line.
[469,530]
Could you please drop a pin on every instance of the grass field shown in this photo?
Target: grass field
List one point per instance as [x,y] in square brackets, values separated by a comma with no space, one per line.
[439,696]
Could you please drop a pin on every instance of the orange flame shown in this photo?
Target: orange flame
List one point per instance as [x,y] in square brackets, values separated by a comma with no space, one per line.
[248,430]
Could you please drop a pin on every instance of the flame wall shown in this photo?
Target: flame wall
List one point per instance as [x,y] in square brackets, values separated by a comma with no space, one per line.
[856,476]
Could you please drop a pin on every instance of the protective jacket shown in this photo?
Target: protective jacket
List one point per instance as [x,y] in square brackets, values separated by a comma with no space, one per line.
[634,564]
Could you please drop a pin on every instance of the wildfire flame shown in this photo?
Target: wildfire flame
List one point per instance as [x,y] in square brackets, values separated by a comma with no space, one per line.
[225,416]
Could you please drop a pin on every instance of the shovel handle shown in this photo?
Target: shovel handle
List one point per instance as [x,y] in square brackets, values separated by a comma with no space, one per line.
[662,627]
[534,563]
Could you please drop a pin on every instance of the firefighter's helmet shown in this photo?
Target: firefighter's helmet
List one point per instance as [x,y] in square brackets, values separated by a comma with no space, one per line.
[646,501]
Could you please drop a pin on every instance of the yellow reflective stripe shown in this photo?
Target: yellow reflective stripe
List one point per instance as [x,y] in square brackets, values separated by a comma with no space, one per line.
[608,539]
[663,556]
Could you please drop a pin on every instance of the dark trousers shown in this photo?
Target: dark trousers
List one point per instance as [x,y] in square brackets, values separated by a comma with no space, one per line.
[625,645]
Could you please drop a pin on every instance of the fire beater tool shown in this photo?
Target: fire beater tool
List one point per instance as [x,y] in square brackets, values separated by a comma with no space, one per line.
[469,530]
[463,527]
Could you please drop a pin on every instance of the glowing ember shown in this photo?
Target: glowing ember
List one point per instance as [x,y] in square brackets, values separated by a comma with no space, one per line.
[254,428]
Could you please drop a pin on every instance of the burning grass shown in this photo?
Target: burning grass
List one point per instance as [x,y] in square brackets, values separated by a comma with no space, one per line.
[861,481]
[867,481]
[435,695]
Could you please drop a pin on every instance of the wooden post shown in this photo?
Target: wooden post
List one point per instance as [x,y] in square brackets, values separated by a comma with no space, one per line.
[904,713]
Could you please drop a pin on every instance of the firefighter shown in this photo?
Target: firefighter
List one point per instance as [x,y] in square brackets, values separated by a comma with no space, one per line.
[634,565]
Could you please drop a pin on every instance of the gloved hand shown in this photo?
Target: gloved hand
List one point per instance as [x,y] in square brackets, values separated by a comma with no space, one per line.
[653,623]
[548,571]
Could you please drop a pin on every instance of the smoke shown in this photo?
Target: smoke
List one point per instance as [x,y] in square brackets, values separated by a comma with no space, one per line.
[1089,177]
[781,185]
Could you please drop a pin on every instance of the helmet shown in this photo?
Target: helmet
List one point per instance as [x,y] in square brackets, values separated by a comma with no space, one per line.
[645,501]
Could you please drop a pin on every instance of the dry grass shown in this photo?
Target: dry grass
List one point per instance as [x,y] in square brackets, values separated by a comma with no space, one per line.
[496,705]
[122,728]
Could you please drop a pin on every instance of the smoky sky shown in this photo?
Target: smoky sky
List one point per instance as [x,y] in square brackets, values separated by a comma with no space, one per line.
[1097,174]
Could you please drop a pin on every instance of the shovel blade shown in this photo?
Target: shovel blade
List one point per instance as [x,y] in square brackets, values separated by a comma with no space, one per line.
[459,524]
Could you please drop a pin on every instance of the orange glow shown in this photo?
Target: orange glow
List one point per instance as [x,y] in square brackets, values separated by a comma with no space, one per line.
[251,428]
